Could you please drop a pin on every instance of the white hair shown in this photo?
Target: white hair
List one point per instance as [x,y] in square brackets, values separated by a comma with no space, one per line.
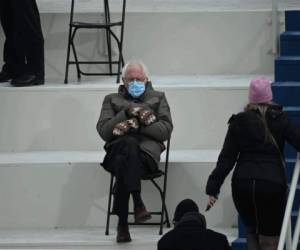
[135,62]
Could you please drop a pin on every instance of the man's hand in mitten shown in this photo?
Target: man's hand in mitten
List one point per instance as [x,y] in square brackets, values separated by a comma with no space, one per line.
[133,123]
[146,117]
[132,111]
[123,127]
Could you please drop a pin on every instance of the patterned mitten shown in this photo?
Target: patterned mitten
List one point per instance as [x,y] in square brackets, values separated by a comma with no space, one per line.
[133,111]
[133,123]
[121,128]
[146,117]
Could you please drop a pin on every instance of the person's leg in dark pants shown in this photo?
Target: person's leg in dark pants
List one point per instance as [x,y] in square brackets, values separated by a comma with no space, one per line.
[28,40]
[271,202]
[149,169]
[12,61]
[124,161]
[121,206]
[242,193]
[115,163]
[261,205]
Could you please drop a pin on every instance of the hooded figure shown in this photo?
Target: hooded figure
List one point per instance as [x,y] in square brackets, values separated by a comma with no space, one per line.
[190,232]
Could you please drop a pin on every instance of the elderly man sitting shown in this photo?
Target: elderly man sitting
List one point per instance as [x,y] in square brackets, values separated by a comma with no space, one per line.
[134,123]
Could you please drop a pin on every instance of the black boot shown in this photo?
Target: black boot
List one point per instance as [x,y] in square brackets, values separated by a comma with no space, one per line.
[27,80]
[5,76]
[123,234]
[141,214]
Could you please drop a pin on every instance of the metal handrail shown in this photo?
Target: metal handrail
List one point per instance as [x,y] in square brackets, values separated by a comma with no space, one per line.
[296,233]
[286,234]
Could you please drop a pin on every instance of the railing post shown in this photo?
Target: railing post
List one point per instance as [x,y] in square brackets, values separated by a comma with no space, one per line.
[288,240]
[296,233]
[285,234]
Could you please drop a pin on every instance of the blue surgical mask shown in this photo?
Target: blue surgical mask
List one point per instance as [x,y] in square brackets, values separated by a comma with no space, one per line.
[136,88]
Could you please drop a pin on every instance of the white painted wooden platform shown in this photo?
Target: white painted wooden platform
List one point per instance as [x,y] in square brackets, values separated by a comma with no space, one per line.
[58,6]
[60,158]
[59,117]
[202,53]
[170,43]
[50,151]
[161,82]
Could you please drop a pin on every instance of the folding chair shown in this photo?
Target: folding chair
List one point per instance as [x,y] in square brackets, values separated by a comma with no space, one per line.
[162,192]
[108,26]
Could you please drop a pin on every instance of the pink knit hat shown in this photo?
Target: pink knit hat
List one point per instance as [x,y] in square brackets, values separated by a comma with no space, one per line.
[260,90]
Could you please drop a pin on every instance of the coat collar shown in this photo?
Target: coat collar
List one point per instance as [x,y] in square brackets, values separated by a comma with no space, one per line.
[192,218]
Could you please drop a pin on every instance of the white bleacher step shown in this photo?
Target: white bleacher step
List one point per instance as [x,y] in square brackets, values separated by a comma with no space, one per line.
[75,157]
[143,238]
[91,6]
[159,82]
[69,189]
[50,104]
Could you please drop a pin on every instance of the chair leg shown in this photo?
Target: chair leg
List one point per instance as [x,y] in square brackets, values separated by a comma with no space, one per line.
[163,208]
[119,69]
[163,211]
[108,38]
[75,54]
[167,217]
[121,59]
[109,206]
[68,56]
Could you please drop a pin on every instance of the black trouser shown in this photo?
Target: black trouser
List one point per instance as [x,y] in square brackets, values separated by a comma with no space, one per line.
[24,45]
[129,165]
[261,205]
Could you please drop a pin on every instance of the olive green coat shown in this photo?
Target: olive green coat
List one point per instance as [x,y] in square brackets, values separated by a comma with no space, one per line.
[152,136]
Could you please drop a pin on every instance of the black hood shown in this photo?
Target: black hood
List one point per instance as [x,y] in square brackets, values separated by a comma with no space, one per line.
[194,219]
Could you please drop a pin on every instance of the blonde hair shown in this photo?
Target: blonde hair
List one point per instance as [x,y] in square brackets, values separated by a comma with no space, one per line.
[262,108]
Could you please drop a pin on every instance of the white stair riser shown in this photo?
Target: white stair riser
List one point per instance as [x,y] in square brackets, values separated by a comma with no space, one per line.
[65,119]
[75,196]
[149,6]
[232,42]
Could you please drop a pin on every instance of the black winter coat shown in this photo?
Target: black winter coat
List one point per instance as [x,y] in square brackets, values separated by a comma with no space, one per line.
[191,234]
[248,146]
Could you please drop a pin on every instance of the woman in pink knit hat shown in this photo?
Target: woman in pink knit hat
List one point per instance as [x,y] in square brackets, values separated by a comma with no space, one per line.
[254,146]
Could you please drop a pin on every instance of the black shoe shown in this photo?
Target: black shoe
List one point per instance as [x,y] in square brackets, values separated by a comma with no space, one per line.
[5,76]
[123,234]
[27,80]
[141,215]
